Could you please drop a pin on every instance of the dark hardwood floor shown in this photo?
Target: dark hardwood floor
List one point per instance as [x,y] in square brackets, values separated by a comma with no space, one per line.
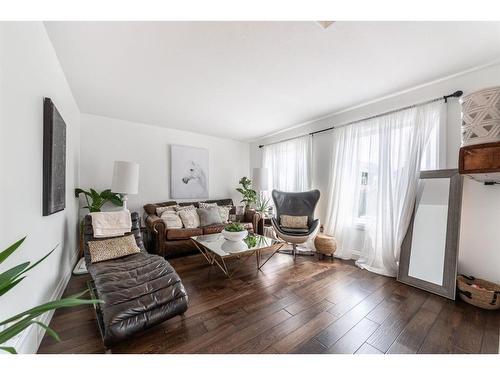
[309,306]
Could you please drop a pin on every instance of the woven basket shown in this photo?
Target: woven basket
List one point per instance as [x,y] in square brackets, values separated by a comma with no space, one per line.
[325,244]
[487,298]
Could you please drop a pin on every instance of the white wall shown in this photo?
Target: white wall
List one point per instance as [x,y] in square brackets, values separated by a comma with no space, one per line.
[479,253]
[30,71]
[104,140]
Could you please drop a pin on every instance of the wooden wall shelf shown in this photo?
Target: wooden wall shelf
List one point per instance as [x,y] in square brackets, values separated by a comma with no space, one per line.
[481,162]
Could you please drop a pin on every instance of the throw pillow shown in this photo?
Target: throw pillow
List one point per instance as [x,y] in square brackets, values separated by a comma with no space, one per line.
[161,210]
[224,213]
[112,248]
[209,216]
[290,221]
[190,218]
[183,208]
[207,205]
[171,220]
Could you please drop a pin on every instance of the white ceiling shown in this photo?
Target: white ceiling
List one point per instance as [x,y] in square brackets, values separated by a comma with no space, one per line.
[242,80]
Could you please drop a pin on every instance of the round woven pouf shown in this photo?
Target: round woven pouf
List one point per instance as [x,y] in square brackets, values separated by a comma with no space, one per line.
[325,245]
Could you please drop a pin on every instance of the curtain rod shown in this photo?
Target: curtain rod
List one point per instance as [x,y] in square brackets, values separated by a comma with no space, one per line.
[456,94]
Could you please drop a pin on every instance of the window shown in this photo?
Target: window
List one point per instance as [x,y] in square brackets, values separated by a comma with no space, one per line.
[289,164]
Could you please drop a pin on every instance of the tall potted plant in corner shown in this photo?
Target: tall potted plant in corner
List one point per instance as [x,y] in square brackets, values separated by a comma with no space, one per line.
[19,322]
[249,195]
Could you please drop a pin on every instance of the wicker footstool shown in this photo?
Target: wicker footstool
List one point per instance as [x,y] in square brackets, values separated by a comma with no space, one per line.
[325,245]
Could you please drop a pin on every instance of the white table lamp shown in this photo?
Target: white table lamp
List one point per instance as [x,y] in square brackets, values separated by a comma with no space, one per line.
[125,179]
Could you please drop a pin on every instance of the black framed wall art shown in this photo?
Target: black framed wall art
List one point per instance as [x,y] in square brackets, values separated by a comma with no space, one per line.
[54,159]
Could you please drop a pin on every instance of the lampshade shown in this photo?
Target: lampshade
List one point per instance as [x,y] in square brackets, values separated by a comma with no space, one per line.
[260,179]
[125,177]
[481,117]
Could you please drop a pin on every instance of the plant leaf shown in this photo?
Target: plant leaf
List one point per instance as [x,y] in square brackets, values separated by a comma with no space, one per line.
[79,191]
[52,305]
[15,329]
[40,260]
[12,273]
[94,194]
[114,198]
[49,330]
[9,277]
[7,252]
[8,349]
[5,288]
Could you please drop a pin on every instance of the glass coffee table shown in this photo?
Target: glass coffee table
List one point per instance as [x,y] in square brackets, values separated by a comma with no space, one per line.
[217,250]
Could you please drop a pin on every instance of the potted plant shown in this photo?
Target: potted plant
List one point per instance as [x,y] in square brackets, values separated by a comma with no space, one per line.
[249,194]
[18,323]
[97,200]
[262,205]
[234,232]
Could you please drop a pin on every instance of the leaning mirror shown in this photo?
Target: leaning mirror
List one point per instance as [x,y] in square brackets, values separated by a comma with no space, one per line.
[429,251]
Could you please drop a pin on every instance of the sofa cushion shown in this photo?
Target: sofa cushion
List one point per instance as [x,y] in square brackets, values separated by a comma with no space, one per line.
[215,228]
[207,205]
[162,209]
[294,230]
[183,233]
[296,222]
[150,208]
[224,213]
[171,219]
[209,216]
[190,218]
[179,207]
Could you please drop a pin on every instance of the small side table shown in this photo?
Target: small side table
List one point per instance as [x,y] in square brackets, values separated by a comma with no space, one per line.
[325,245]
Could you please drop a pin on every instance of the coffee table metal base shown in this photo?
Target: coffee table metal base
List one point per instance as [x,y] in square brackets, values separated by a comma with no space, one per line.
[214,259]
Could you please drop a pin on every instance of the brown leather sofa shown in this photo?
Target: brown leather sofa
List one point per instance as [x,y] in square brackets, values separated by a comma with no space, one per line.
[138,290]
[171,243]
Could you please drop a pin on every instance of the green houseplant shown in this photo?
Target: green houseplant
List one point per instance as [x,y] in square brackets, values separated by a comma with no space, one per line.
[262,204]
[234,227]
[97,200]
[249,194]
[234,232]
[18,323]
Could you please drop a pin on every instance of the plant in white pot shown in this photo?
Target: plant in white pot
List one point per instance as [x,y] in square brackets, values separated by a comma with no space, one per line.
[234,232]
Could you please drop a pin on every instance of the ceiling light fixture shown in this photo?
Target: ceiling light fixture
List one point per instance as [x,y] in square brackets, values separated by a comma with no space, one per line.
[325,24]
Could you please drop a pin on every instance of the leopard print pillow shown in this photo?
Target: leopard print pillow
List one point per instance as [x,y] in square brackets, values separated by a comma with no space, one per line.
[112,248]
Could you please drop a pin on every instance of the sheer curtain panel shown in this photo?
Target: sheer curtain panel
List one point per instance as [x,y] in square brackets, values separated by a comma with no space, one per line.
[373,183]
[289,164]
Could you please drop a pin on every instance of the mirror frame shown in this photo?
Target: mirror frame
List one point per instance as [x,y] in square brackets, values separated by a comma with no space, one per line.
[448,289]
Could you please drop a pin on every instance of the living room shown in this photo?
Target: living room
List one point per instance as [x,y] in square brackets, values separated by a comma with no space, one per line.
[250,187]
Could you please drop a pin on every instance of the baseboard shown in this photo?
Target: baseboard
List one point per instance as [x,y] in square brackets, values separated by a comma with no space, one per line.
[29,340]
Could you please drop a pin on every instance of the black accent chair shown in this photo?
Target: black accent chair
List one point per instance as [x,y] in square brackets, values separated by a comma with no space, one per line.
[295,204]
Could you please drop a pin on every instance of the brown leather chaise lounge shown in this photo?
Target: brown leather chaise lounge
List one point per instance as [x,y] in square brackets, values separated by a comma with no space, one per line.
[139,290]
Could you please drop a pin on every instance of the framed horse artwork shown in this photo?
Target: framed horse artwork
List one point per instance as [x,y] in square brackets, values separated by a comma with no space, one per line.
[189,172]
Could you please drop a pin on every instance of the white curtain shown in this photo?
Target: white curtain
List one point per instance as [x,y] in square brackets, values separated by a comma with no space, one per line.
[289,164]
[373,183]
